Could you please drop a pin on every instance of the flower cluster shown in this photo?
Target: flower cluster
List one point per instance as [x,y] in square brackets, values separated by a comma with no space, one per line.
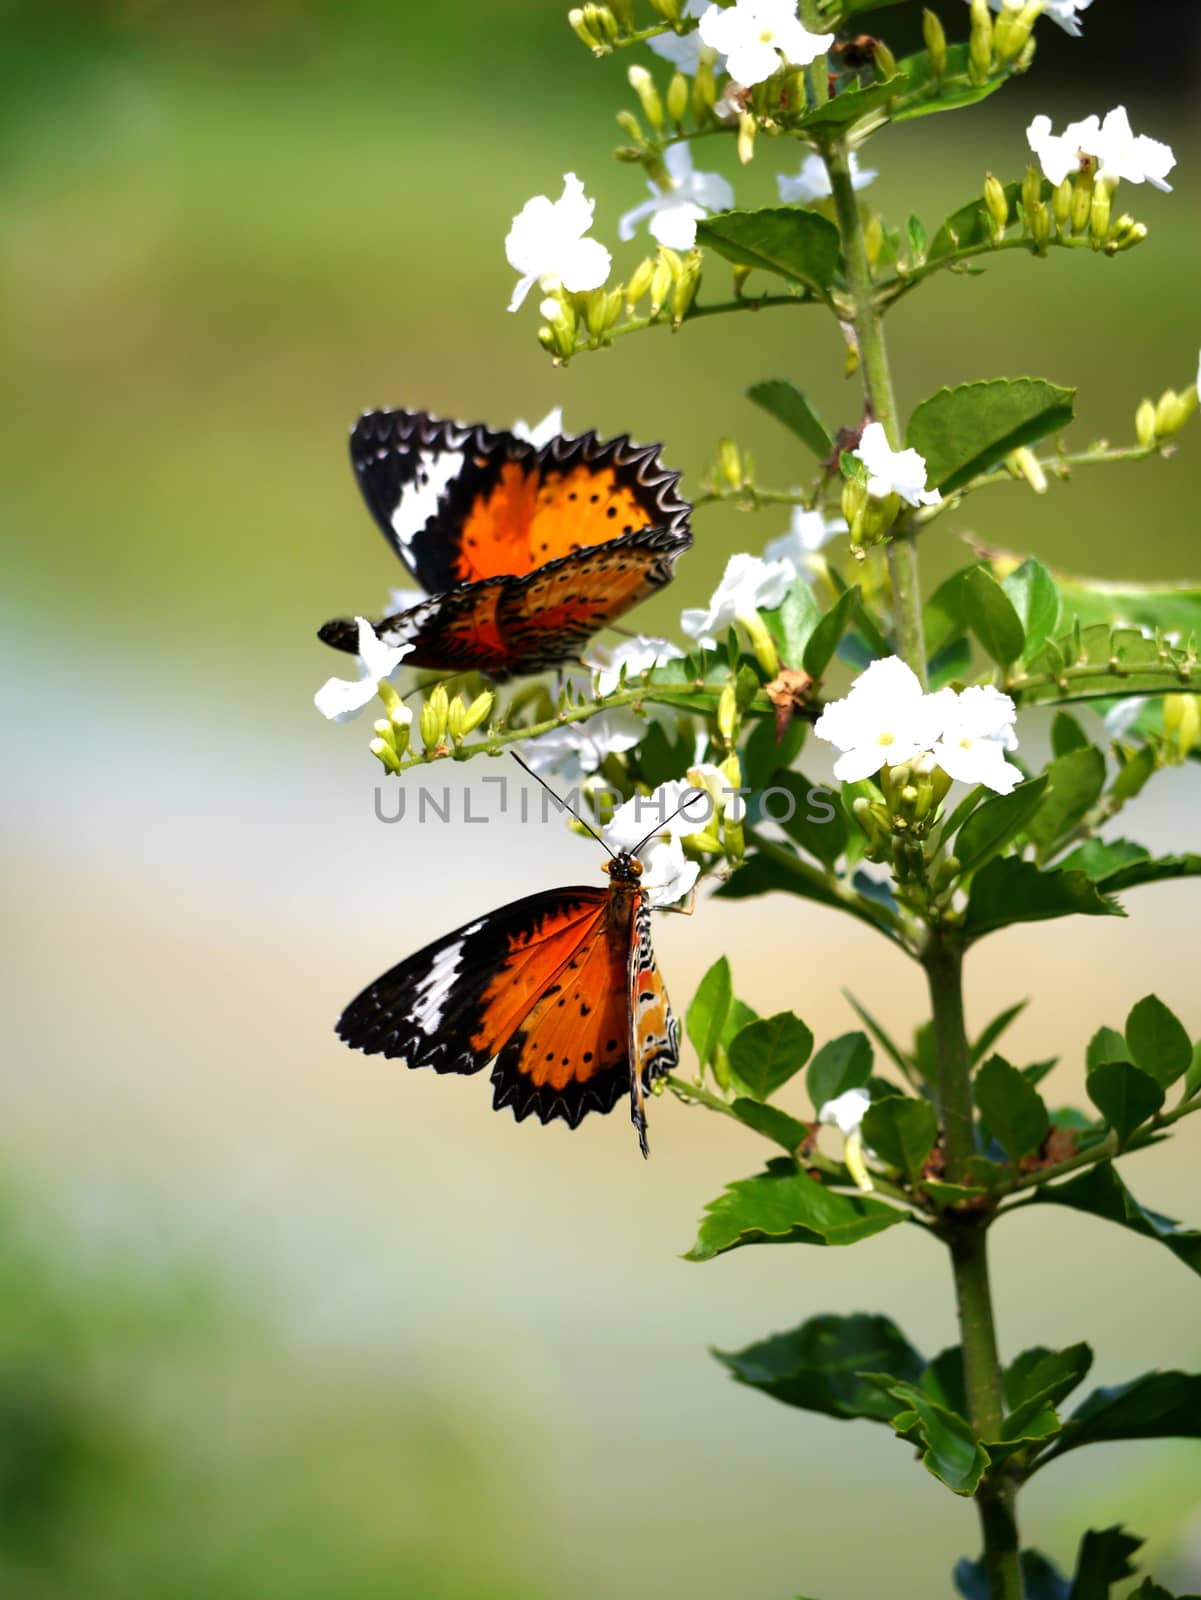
[756,36]
[1064,12]
[1110,146]
[888,720]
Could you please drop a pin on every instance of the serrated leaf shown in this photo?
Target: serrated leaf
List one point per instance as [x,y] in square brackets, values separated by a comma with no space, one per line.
[1035,598]
[902,1130]
[1157,1405]
[1157,1040]
[784,1206]
[1012,1107]
[817,1366]
[852,105]
[768,1051]
[991,617]
[1102,858]
[1104,662]
[996,823]
[1124,1095]
[799,245]
[771,1122]
[1100,1192]
[1162,869]
[950,1450]
[823,641]
[1074,784]
[785,402]
[706,1016]
[968,429]
[841,1064]
[1045,1376]
[1009,890]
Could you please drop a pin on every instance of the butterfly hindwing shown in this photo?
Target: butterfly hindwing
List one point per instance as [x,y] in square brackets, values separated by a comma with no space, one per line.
[654,1033]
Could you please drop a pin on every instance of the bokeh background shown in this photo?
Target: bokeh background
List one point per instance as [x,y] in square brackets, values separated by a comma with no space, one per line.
[276,1320]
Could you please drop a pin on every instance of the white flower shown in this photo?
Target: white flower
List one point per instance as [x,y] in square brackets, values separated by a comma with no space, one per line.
[890,471]
[810,532]
[338,699]
[635,655]
[885,719]
[976,731]
[546,244]
[1061,11]
[540,433]
[846,1111]
[747,586]
[1113,145]
[676,210]
[812,182]
[754,35]
[683,50]
[725,801]
[653,826]
[577,750]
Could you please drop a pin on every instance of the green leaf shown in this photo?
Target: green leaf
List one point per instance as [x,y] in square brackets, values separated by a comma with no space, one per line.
[1043,1377]
[1074,783]
[1066,734]
[709,1009]
[1107,1044]
[850,105]
[1124,1095]
[992,1032]
[1009,890]
[1158,1405]
[883,1039]
[991,617]
[903,1131]
[824,837]
[1192,1078]
[950,1450]
[1099,1191]
[818,1366]
[1102,858]
[841,1064]
[763,756]
[1012,1107]
[943,619]
[1035,598]
[996,823]
[784,1206]
[1040,1580]
[1162,869]
[1103,1560]
[799,245]
[771,1122]
[927,94]
[788,405]
[794,620]
[1157,1040]
[1104,662]
[768,1051]
[1148,1589]
[823,641]
[970,428]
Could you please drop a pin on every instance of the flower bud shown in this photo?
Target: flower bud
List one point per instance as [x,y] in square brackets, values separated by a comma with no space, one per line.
[980,43]
[1032,191]
[746,137]
[1082,200]
[1040,227]
[729,463]
[435,714]
[385,753]
[852,1155]
[401,719]
[1144,423]
[739,275]
[1023,463]
[603,24]
[478,711]
[704,88]
[727,714]
[1125,235]
[584,32]
[632,128]
[884,61]
[390,697]
[623,10]
[997,203]
[639,283]
[936,43]
[686,286]
[762,644]
[677,99]
[669,10]
[1014,27]
[643,86]
[1173,411]
[1182,724]
[1061,204]
[661,281]
[383,730]
[1098,217]
[455,714]
[873,238]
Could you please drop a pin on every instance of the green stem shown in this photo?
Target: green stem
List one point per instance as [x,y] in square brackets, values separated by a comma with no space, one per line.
[1107,1150]
[877,380]
[967,1239]
[895,288]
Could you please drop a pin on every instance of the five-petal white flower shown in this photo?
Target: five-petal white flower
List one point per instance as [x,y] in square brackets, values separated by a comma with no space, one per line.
[635,655]
[653,825]
[338,698]
[748,585]
[1117,150]
[1061,11]
[976,731]
[885,719]
[676,210]
[812,182]
[890,471]
[846,1111]
[546,244]
[810,532]
[756,35]
[683,50]
[577,750]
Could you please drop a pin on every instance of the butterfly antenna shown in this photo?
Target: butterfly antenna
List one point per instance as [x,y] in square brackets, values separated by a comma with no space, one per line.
[583,821]
[660,826]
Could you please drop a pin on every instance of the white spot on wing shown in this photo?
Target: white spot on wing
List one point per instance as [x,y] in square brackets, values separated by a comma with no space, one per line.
[434,989]
[419,499]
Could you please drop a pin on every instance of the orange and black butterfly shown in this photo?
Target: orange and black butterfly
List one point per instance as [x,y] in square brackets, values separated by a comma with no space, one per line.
[560,991]
[525,550]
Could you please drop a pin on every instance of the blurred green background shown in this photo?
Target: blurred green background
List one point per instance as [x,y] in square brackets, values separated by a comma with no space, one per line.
[276,1320]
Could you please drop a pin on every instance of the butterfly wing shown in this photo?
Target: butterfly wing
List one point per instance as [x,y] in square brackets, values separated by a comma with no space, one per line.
[512,625]
[460,503]
[654,1034]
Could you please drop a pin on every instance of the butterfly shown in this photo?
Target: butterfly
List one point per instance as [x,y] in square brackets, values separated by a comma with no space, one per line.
[525,550]
[560,991]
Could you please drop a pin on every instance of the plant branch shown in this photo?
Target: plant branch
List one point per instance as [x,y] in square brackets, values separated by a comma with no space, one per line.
[907,278]
[1106,1150]
[1058,466]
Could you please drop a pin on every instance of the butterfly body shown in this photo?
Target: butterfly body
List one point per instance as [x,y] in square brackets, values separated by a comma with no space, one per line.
[559,991]
[526,549]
